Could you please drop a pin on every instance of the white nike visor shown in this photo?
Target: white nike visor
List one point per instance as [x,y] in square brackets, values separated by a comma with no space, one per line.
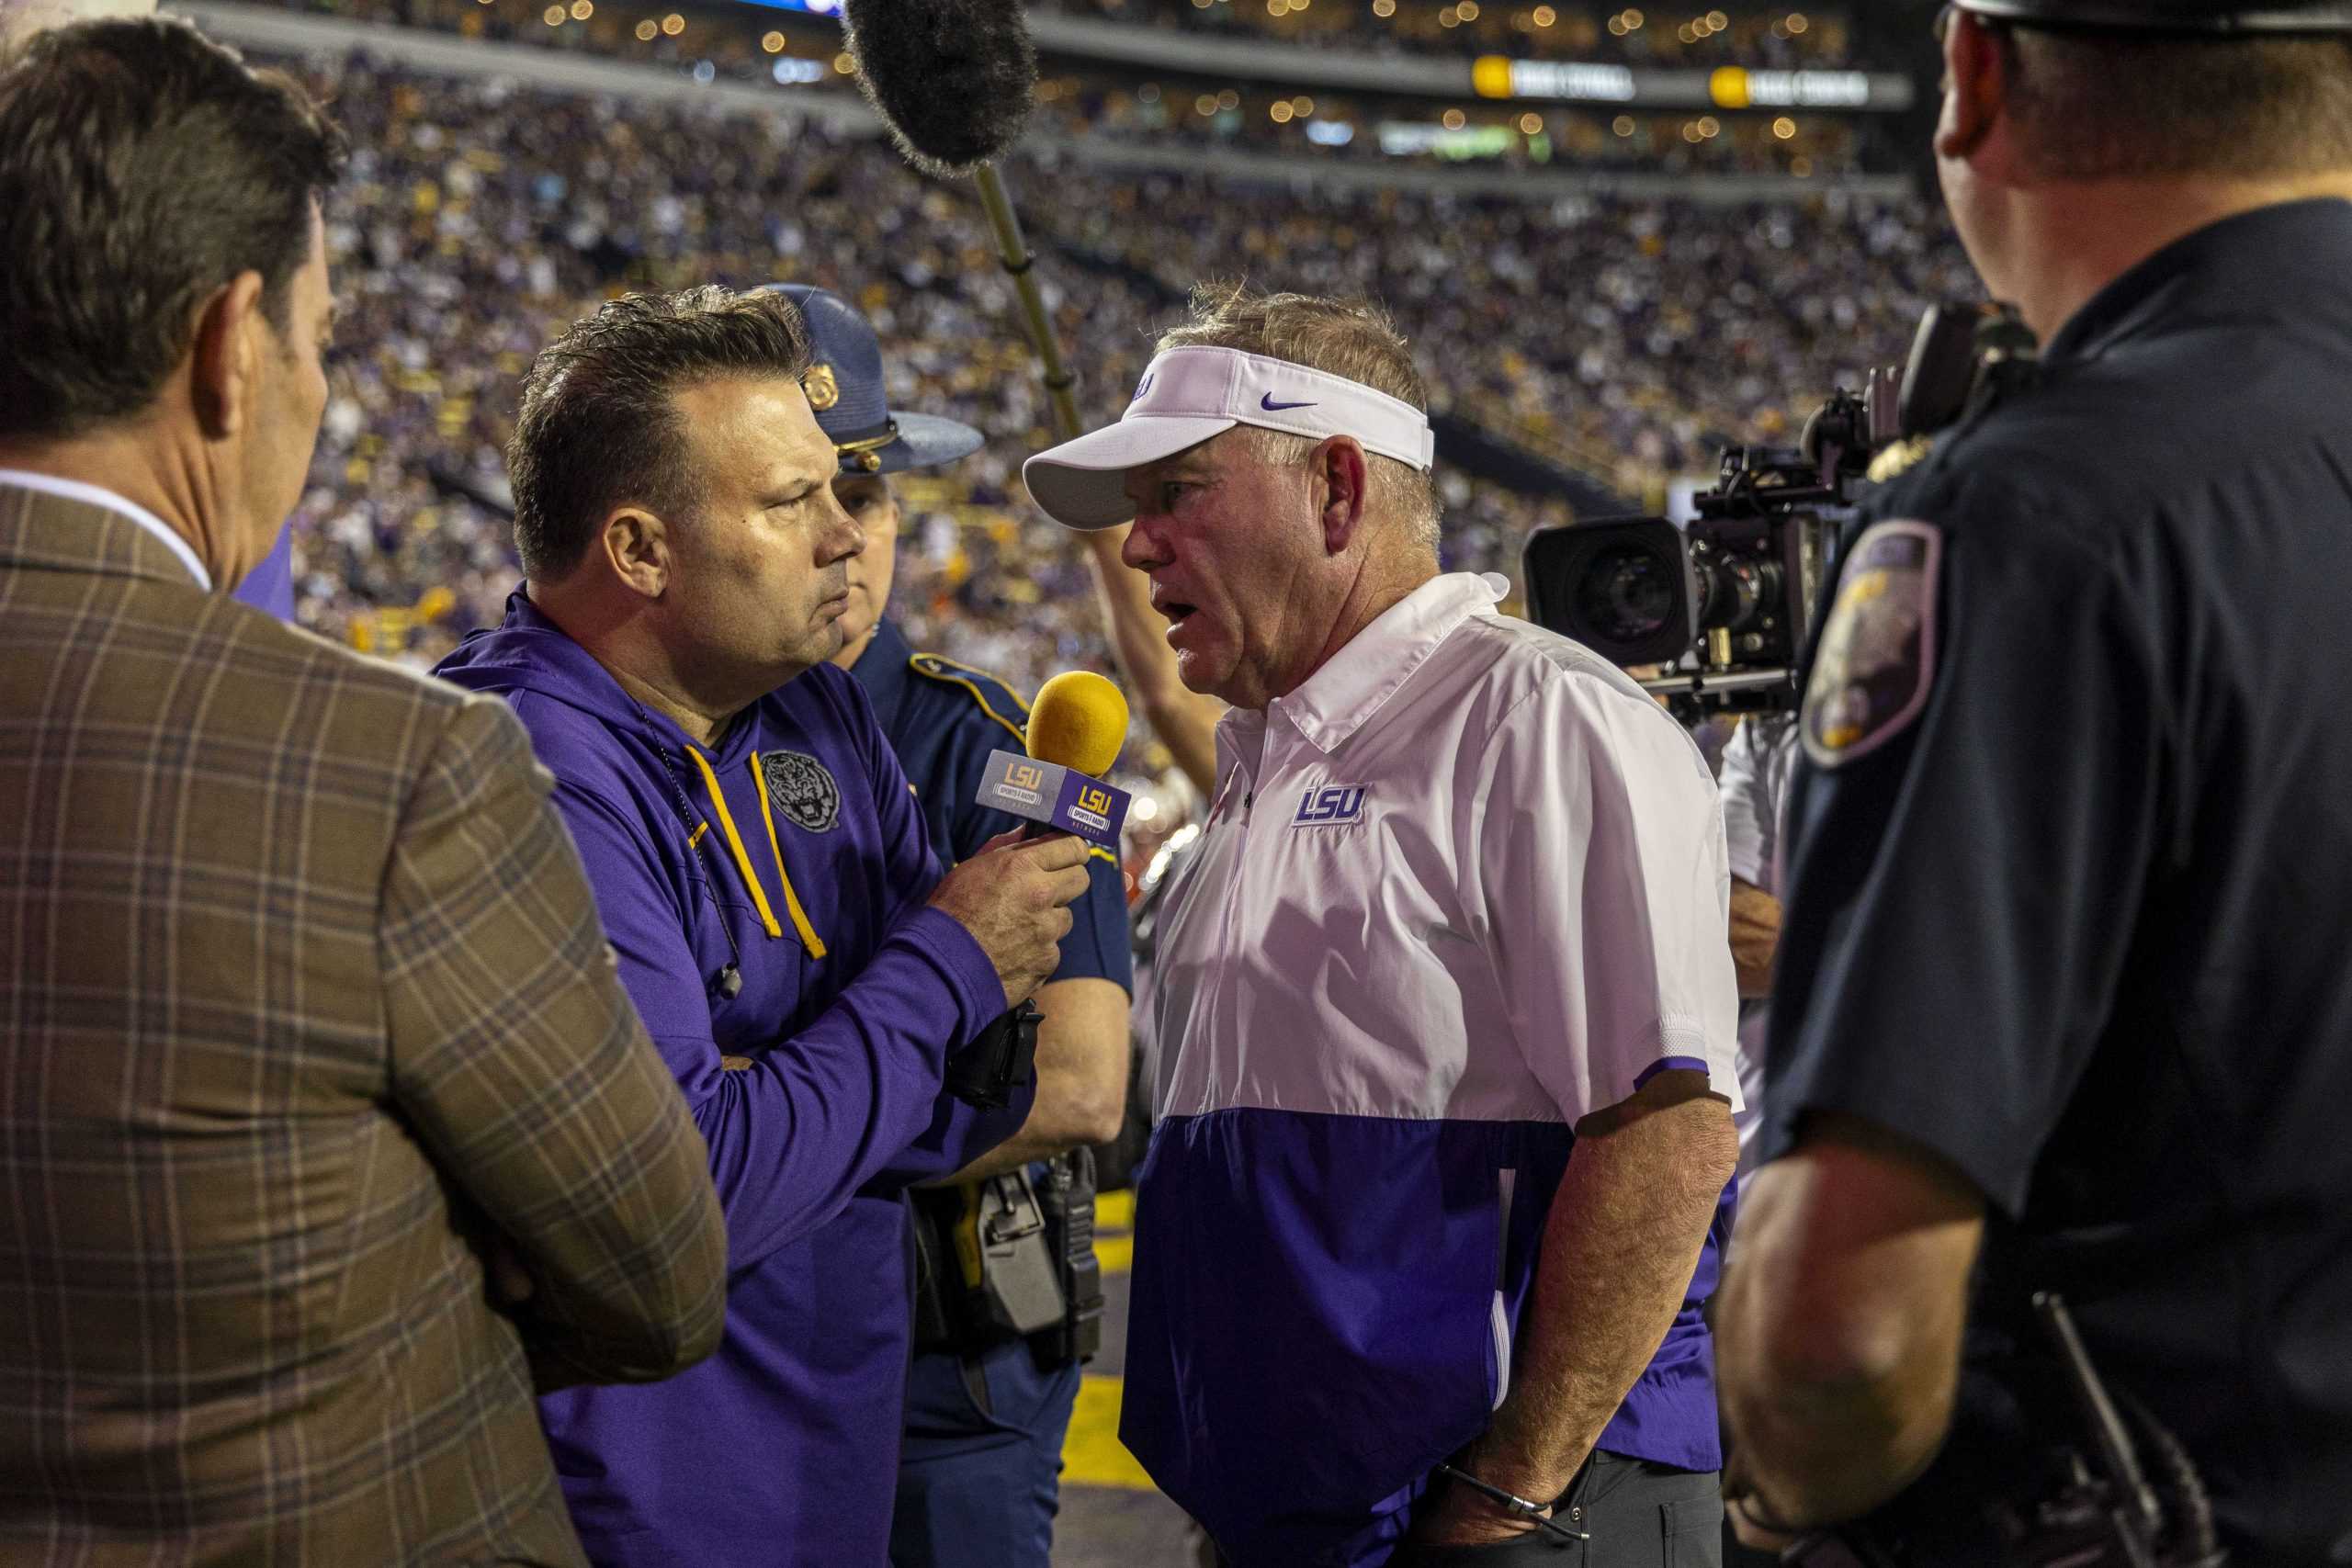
[1189,394]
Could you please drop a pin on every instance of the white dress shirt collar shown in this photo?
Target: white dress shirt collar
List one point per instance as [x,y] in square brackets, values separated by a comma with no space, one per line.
[1339,698]
[92,495]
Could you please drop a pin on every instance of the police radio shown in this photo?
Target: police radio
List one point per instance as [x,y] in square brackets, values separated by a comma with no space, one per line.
[2046,1467]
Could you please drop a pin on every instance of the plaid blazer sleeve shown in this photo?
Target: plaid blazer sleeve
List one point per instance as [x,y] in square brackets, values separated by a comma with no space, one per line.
[521,1065]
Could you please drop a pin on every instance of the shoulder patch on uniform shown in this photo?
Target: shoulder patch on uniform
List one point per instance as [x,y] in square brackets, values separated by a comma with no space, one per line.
[997,698]
[1877,656]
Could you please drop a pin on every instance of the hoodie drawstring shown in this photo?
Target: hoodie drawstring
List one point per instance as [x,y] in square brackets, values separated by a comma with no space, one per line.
[743,860]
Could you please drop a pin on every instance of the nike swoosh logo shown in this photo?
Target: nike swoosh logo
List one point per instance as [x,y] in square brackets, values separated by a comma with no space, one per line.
[1268,403]
[1140,390]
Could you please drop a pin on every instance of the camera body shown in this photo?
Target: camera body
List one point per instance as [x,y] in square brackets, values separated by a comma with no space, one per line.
[1716,614]
[1721,607]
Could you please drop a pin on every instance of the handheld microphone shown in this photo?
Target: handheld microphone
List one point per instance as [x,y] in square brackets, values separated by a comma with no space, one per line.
[1076,729]
[953,79]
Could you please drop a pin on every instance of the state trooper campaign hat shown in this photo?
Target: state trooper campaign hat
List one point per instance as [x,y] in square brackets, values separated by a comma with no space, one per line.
[2209,17]
[845,389]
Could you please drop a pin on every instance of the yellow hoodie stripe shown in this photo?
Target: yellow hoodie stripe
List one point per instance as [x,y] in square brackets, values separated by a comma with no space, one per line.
[735,841]
[808,937]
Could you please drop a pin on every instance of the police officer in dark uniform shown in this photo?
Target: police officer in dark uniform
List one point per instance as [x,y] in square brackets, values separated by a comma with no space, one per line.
[1007,1294]
[2063,1005]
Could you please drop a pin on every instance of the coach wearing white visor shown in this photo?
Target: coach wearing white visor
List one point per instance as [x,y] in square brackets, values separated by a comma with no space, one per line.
[1447,1008]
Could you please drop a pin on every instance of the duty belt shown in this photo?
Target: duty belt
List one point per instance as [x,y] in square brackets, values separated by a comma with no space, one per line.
[1005,1257]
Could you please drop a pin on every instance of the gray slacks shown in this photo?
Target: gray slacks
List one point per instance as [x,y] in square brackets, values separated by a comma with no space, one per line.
[1638,1515]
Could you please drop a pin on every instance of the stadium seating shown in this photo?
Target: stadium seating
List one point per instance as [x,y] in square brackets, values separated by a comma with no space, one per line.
[480,215]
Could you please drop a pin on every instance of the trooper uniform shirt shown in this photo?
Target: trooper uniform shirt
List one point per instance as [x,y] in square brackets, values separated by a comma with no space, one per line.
[1464,886]
[985,1420]
[2071,851]
[943,719]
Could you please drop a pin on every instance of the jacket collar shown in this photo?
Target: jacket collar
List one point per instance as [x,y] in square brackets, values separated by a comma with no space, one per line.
[65,526]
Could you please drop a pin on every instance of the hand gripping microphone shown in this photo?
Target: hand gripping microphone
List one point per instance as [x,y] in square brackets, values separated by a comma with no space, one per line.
[1076,729]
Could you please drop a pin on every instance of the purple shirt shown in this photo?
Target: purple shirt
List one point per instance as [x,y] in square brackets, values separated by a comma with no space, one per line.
[270,586]
[784,1444]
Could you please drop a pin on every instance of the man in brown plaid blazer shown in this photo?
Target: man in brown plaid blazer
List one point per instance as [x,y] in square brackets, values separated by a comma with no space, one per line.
[304,1009]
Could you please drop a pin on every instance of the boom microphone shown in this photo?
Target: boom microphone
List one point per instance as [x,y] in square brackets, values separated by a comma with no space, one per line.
[1076,729]
[953,79]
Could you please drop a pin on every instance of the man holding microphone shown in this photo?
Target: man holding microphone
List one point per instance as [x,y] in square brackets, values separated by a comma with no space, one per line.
[764,877]
[1448,1010]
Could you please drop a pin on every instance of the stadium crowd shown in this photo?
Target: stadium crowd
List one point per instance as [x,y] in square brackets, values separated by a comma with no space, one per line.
[480,216]
[1204,108]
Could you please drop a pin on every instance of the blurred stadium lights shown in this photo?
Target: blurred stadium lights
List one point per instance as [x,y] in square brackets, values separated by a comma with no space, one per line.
[797,73]
[1728,86]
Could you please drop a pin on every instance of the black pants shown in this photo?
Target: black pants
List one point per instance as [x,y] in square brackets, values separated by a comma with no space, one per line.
[1638,1515]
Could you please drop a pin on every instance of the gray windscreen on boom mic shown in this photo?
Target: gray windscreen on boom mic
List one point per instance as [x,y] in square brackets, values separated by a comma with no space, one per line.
[953,79]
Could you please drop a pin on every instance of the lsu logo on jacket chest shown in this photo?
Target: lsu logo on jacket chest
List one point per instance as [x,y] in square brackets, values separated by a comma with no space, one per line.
[1328,805]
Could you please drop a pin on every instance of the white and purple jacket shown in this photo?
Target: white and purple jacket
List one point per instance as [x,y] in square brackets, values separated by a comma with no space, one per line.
[1462,887]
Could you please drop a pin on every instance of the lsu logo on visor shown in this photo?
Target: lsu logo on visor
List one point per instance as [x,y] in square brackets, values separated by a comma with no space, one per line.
[1331,806]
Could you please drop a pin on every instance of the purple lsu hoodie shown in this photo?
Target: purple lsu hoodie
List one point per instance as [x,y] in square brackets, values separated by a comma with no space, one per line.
[795,850]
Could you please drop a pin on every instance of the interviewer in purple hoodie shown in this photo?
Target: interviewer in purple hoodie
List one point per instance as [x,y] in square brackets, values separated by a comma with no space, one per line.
[763,877]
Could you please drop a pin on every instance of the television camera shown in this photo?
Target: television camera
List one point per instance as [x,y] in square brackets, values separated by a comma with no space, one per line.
[1721,610]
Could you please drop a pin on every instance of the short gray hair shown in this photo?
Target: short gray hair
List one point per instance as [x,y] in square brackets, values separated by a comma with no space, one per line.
[1352,338]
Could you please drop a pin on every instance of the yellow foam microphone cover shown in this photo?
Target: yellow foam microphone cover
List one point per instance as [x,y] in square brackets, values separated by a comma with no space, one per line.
[1080,720]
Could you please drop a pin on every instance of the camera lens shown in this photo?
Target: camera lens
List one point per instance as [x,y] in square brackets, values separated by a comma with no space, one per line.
[1617,585]
[1736,593]
[1627,592]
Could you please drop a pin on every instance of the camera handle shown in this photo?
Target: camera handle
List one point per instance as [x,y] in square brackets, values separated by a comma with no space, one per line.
[1698,685]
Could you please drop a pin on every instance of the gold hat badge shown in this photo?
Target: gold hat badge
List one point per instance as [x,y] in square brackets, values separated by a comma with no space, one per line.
[823,389]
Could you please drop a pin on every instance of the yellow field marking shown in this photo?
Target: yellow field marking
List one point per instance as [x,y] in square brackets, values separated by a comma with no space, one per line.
[1091,1453]
[1115,1254]
[1116,1211]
